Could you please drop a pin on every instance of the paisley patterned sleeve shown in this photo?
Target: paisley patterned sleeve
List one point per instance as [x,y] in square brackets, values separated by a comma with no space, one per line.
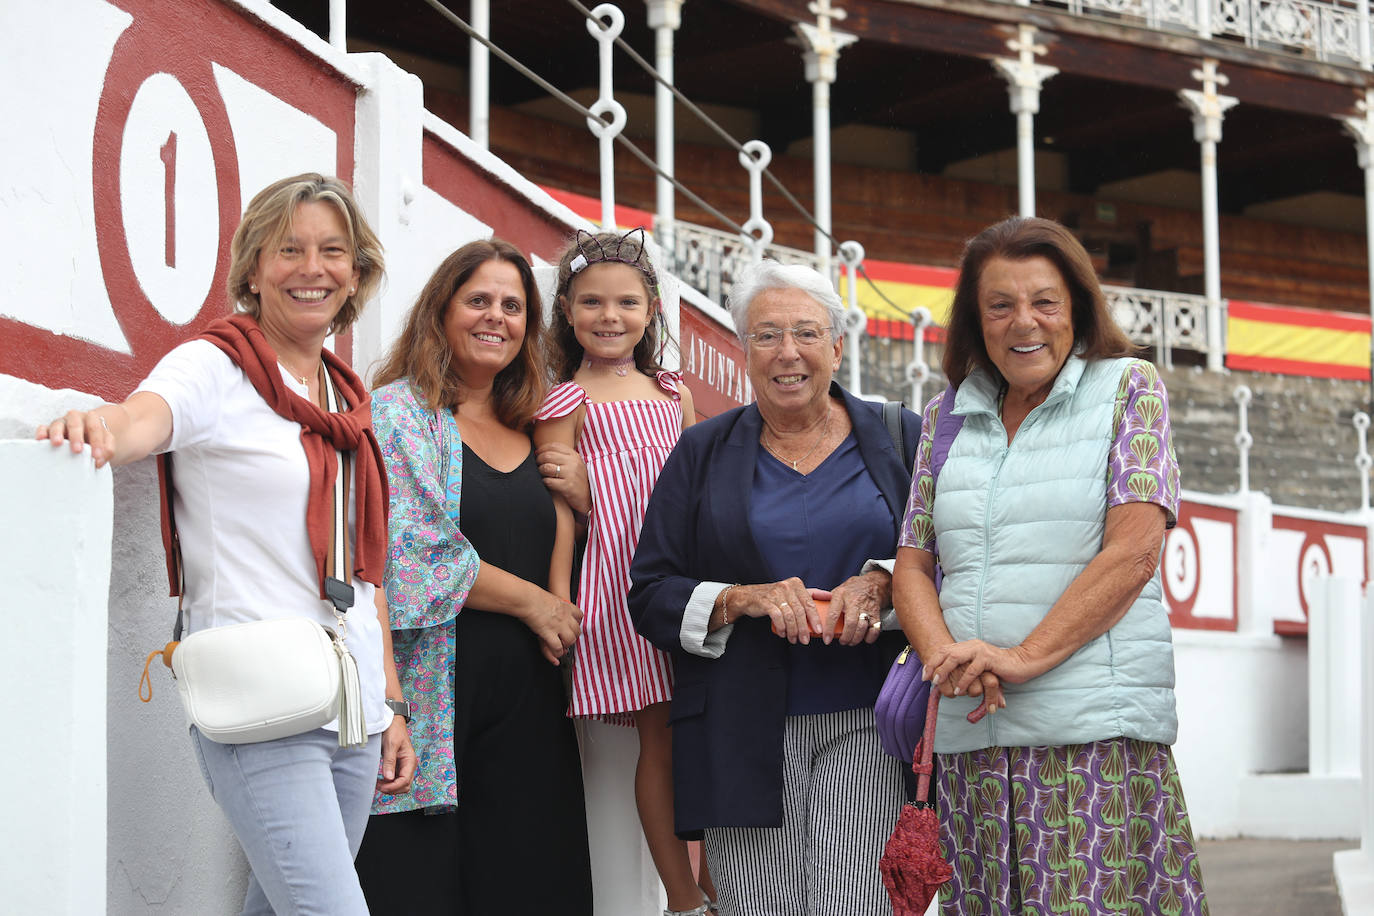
[430,569]
[561,401]
[918,527]
[430,564]
[1142,466]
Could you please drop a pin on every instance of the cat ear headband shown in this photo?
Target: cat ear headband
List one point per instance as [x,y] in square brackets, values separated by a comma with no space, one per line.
[591,251]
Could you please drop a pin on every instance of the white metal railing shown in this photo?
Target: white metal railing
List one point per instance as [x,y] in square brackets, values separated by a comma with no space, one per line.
[1328,30]
[1162,320]
[709,260]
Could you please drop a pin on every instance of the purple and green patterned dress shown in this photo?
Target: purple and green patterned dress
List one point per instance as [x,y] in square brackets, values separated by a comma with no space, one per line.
[1079,829]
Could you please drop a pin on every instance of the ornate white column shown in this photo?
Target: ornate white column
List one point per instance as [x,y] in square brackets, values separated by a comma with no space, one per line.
[479,74]
[664,18]
[821,50]
[1208,109]
[1361,128]
[1024,78]
[1363,20]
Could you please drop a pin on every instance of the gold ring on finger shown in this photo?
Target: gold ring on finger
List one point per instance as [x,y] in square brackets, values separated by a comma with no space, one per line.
[865,618]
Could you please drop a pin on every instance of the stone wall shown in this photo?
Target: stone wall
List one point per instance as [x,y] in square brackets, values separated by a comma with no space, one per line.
[1304,442]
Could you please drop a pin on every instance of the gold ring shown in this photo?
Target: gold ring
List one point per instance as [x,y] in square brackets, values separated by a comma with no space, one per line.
[877,624]
[865,618]
[558,470]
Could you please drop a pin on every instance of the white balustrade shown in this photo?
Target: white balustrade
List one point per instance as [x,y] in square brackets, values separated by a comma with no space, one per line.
[1163,320]
[1329,30]
[709,260]
[605,131]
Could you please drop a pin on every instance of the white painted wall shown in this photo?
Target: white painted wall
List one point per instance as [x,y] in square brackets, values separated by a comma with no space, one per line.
[1242,708]
[54,578]
[169,848]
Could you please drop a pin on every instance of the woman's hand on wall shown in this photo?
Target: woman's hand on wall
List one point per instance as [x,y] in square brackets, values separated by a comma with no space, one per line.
[116,433]
[79,429]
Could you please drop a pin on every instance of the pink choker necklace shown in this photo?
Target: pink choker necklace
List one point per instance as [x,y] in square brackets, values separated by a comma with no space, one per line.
[621,365]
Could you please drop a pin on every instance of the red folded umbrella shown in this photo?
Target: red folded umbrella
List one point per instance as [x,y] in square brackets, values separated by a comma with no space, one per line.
[912,866]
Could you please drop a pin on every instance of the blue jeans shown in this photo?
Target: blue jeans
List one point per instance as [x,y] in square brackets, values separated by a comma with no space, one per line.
[298,807]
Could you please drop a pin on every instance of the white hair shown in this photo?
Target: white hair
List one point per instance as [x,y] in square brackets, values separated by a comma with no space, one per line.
[769,274]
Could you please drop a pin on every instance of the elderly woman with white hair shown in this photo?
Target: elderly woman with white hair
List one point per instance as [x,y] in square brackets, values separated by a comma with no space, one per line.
[750,570]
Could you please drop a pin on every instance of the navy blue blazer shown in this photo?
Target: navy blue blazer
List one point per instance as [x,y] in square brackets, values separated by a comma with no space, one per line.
[728,712]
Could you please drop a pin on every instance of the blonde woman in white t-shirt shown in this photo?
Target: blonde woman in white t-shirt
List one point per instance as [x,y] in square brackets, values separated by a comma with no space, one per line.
[241,407]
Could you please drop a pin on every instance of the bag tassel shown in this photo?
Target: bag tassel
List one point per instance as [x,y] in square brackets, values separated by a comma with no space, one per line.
[352,725]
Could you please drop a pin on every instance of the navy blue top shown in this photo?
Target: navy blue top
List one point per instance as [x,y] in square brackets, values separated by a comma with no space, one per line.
[821,527]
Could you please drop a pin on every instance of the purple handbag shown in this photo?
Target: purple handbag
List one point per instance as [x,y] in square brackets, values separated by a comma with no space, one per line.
[901,707]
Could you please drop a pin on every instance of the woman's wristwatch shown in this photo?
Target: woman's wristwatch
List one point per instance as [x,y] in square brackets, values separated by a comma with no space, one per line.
[400,708]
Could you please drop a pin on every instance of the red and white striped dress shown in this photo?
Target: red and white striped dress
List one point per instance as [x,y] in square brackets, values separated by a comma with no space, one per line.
[624,444]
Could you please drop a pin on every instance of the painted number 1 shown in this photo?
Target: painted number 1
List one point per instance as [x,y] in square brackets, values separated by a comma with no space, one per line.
[169,173]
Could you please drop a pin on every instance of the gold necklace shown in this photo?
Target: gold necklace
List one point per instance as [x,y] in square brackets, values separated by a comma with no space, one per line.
[303,379]
[825,431]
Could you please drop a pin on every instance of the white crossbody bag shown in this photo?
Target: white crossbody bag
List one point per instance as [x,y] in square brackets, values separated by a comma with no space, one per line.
[267,679]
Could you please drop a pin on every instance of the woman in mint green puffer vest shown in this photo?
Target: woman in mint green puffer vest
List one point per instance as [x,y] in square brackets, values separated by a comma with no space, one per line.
[1047,516]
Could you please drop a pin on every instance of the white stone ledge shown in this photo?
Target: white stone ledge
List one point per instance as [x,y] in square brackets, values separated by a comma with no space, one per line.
[54,592]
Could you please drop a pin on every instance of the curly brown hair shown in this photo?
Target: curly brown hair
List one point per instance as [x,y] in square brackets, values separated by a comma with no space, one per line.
[422,354]
[268,219]
[1095,333]
[565,352]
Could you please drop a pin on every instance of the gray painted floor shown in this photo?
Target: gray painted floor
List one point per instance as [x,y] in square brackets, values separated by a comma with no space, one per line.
[1271,877]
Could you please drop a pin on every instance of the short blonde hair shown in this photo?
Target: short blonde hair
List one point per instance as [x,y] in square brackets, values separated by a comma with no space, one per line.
[268,219]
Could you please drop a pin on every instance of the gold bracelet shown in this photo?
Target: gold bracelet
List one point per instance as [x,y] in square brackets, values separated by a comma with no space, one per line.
[723,597]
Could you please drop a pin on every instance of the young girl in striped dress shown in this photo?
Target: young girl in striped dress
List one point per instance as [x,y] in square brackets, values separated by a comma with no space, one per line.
[623,414]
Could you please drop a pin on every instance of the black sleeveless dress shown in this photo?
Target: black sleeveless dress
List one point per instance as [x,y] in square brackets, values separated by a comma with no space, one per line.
[522,820]
[517,843]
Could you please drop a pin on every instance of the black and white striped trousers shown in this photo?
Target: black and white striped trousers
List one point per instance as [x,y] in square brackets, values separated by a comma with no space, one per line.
[841,797]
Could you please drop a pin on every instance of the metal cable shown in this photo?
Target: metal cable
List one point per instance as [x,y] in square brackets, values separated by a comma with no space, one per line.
[635,150]
[576,106]
[738,147]
[709,122]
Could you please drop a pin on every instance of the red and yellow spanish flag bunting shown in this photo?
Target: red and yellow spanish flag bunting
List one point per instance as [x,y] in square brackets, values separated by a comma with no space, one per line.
[1259,337]
[1296,341]
[908,286]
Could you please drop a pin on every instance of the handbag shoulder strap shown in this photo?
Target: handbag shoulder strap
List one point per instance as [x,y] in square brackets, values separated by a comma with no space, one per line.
[947,426]
[338,564]
[892,418]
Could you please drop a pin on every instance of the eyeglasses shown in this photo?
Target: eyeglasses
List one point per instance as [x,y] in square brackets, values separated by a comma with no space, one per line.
[771,338]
